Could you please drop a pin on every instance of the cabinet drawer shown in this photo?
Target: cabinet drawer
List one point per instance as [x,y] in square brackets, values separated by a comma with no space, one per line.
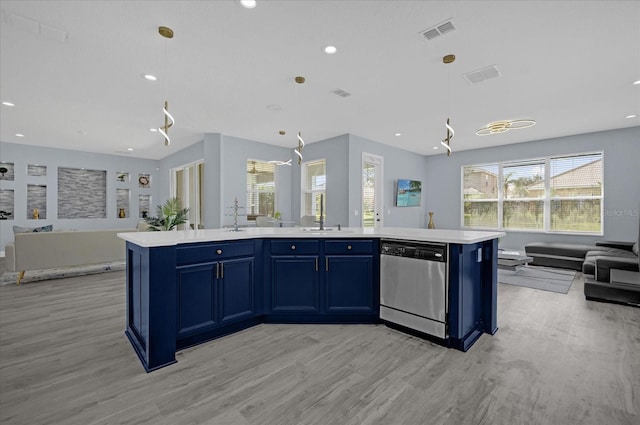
[200,253]
[349,246]
[295,247]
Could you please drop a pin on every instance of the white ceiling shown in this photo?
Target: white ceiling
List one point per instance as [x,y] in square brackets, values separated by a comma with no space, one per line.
[568,65]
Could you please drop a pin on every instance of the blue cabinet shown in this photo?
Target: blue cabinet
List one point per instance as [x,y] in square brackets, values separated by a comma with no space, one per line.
[351,277]
[324,279]
[215,285]
[294,276]
[472,292]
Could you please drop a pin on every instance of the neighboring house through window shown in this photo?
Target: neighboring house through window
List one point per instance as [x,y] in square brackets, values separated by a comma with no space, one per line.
[553,194]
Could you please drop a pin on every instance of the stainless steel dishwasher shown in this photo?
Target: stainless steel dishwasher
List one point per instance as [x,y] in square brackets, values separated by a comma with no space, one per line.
[414,285]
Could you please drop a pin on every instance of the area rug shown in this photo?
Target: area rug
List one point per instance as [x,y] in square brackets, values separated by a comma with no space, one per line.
[62,272]
[544,278]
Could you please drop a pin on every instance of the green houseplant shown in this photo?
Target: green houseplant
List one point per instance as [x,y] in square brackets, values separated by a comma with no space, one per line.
[169,215]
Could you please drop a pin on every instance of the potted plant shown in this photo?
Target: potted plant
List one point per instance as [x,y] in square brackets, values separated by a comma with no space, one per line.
[169,216]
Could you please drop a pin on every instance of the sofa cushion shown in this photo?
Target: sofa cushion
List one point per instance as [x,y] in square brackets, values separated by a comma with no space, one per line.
[557,250]
[19,229]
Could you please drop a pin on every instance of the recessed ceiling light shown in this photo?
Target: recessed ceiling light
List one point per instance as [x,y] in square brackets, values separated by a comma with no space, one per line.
[130,149]
[149,77]
[398,134]
[435,148]
[19,135]
[637,82]
[631,116]
[330,50]
[153,129]
[8,104]
[248,4]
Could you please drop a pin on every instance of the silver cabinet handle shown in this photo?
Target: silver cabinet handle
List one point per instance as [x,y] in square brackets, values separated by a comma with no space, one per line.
[218,251]
[221,270]
[316,263]
[217,270]
[293,247]
[326,264]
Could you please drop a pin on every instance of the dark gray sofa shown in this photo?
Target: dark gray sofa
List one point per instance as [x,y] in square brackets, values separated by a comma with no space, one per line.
[596,263]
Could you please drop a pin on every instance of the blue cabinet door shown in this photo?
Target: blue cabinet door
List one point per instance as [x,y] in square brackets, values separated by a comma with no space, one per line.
[294,284]
[197,298]
[349,284]
[236,283]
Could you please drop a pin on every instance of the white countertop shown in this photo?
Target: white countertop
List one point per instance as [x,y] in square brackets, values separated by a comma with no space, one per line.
[170,238]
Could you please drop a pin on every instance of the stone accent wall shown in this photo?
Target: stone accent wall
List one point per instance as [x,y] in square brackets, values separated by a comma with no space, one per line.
[82,193]
[37,199]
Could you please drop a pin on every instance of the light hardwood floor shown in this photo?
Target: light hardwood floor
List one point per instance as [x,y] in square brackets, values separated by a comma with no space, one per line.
[556,359]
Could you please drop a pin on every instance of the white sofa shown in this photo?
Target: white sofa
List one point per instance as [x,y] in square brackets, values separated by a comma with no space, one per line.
[45,250]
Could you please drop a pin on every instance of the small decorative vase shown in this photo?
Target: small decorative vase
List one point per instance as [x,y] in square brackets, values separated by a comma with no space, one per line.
[121,213]
[36,214]
[431,225]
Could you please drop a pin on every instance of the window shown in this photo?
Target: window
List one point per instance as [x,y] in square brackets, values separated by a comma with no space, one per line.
[261,189]
[314,184]
[187,184]
[554,194]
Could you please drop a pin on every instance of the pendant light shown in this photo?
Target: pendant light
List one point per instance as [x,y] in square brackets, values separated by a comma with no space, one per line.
[446,142]
[167,33]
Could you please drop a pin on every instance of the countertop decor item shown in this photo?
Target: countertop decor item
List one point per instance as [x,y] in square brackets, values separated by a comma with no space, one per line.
[431,225]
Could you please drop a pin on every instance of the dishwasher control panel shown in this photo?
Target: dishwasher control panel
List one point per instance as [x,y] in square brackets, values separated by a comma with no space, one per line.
[418,250]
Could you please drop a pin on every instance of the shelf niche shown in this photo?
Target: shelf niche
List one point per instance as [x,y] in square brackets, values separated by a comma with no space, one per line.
[6,204]
[122,203]
[36,202]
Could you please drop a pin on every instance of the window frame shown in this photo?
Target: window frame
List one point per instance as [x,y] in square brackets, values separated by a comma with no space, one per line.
[547,197]
[250,215]
[303,187]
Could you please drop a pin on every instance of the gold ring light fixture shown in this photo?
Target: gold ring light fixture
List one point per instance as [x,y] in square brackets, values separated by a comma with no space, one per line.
[498,127]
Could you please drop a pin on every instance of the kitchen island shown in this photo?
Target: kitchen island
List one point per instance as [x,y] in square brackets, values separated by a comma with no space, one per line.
[187,287]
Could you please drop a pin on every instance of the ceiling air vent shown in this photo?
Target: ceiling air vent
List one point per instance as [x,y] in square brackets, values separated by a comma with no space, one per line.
[438,30]
[341,93]
[482,74]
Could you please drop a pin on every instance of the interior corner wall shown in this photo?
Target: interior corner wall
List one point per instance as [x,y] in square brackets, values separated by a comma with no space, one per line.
[23,155]
[621,181]
[336,153]
[397,164]
[233,156]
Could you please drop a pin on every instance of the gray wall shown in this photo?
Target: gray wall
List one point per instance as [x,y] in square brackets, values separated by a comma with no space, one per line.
[336,153]
[621,181]
[24,155]
[225,175]
[398,164]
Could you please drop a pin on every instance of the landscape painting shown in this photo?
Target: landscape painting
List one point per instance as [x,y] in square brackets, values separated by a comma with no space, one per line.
[409,193]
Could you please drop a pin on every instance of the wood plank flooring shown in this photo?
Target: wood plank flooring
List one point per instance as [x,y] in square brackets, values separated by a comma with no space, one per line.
[556,359]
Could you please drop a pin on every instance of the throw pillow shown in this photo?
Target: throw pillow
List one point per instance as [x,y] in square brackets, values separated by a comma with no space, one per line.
[48,228]
[19,229]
